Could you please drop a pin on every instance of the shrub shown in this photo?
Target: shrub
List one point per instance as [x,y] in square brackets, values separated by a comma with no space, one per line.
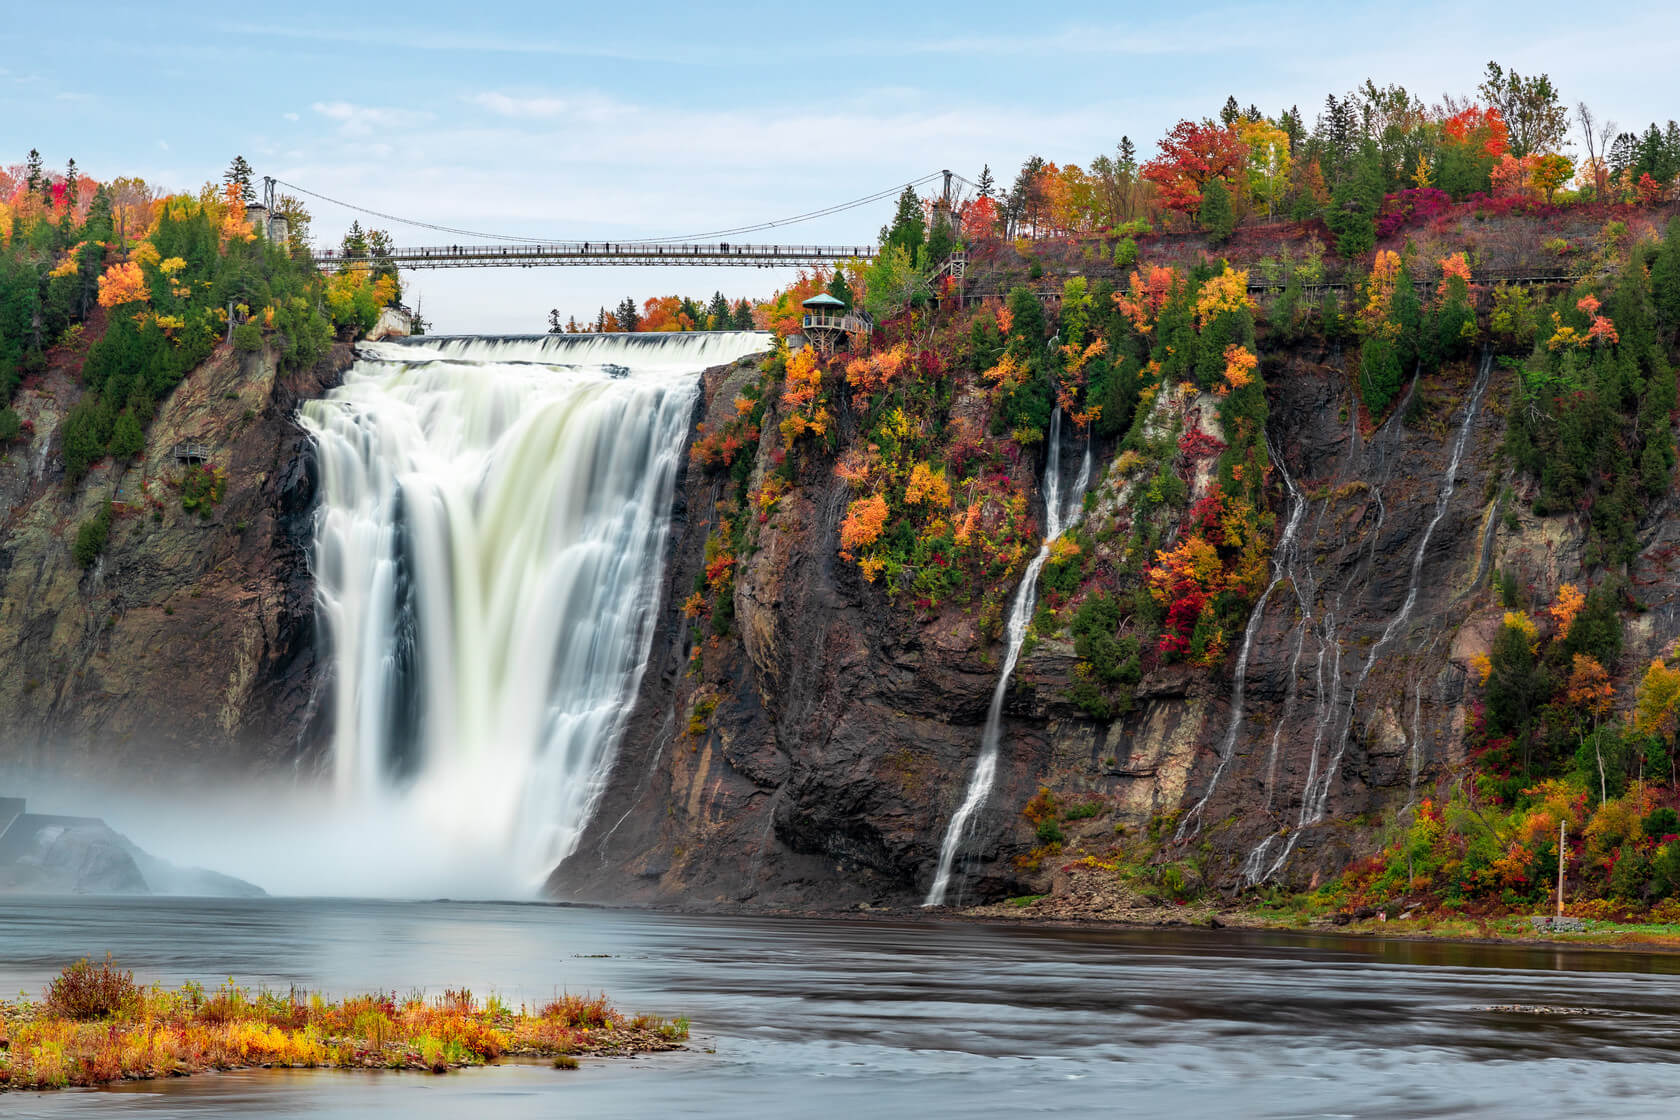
[247,338]
[202,487]
[1661,822]
[1125,253]
[11,425]
[86,991]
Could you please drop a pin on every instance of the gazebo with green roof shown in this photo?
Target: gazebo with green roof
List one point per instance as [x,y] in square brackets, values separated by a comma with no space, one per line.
[827,320]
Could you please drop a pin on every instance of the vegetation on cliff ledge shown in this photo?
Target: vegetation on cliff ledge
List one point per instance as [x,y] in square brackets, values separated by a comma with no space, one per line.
[95,1025]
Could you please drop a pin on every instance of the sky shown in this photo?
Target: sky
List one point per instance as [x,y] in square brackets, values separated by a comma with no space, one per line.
[602,122]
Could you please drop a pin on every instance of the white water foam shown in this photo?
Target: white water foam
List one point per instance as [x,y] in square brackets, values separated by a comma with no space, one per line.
[487,555]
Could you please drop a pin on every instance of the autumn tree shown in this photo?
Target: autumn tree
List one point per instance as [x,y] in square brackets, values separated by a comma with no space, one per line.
[1268,161]
[1192,155]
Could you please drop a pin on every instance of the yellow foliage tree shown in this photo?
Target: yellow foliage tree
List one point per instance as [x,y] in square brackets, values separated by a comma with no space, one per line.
[123,283]
[927,487]
[1226,292]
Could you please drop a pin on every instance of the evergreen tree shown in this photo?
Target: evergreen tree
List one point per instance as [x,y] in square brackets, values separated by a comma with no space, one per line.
[839,289]
[1665,281]
[1352,215]
[986,185]
[1215,215]
[127,440]
[908,229]
[1230,114]
[554,326]
[239,174]
[72,189]
[34,174]
[744,316]
[718,313]
[355,243]
[629,318]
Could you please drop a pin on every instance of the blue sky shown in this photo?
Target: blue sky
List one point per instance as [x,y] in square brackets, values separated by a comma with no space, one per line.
[603,121]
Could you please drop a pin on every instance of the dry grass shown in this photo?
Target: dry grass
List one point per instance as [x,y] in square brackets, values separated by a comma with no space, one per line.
[94,1025]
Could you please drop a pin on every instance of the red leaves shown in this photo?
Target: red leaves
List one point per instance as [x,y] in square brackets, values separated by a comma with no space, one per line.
[1191,156]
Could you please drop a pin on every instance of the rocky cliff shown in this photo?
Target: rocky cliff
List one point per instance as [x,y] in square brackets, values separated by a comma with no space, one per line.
[188,643]
[815,753]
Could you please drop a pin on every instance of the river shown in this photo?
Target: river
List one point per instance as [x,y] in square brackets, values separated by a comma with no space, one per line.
[814,1017]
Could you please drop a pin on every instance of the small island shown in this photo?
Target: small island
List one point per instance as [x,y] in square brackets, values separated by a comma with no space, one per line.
[95,1025]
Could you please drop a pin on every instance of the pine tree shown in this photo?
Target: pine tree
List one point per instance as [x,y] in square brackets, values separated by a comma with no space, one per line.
[629,317]
[72,189]
[1230,114]
[717,313]
[33,181]
[554,326]
[839,289]
[744,316]
[239,174]
[127,440]
[908,229]
[1665,280]
[987,185]
[355,242]
[1215,215]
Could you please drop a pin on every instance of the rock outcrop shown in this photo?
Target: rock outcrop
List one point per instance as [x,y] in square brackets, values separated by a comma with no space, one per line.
[188,644]
[844,728]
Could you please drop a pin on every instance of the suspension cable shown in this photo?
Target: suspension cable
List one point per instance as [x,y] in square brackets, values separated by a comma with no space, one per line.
[809,216]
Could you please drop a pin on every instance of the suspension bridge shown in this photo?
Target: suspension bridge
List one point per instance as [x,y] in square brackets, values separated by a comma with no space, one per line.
[741,246]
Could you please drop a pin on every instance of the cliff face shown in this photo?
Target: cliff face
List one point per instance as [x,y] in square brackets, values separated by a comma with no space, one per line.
[189,643]
[845,727]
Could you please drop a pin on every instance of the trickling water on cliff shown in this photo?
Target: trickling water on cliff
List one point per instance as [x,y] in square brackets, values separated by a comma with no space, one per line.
[1315,793]
[487,552]
[1057,517]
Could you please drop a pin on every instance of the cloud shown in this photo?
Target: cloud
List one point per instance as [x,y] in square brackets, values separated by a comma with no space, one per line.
[289,116]
[366,120]
[580,108]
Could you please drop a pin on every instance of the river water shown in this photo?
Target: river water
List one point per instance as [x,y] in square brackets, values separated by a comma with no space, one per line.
[810,1017]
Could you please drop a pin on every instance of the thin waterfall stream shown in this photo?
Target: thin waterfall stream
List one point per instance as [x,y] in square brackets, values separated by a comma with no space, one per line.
[1057,518]
[487,557]
[1315,793]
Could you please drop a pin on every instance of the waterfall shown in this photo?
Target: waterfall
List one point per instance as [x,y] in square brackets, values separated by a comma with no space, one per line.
[1315,794]
[487,557]
[1283,564]
[1056,519]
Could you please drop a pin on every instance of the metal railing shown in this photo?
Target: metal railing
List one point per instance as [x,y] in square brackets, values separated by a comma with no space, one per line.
[596,253]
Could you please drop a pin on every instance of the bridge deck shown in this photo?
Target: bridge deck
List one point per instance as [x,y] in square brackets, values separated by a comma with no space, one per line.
[602,253]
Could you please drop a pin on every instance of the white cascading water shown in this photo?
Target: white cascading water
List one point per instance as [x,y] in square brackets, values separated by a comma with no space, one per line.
[487,555]
[1284,557]
[1315,793]
[1057,518]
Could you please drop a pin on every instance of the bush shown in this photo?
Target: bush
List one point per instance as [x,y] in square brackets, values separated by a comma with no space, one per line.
[1662,822]
[1125,253]
[11,425]
[247,338]
[91,537]
[86,991]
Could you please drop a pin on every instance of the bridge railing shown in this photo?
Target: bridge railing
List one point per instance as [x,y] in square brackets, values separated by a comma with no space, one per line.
[720,251]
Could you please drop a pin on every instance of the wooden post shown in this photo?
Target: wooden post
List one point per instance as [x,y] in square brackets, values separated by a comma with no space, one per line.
[1562,826]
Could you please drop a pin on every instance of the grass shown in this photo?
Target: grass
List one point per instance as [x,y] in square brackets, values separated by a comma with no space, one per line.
[95,1025]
